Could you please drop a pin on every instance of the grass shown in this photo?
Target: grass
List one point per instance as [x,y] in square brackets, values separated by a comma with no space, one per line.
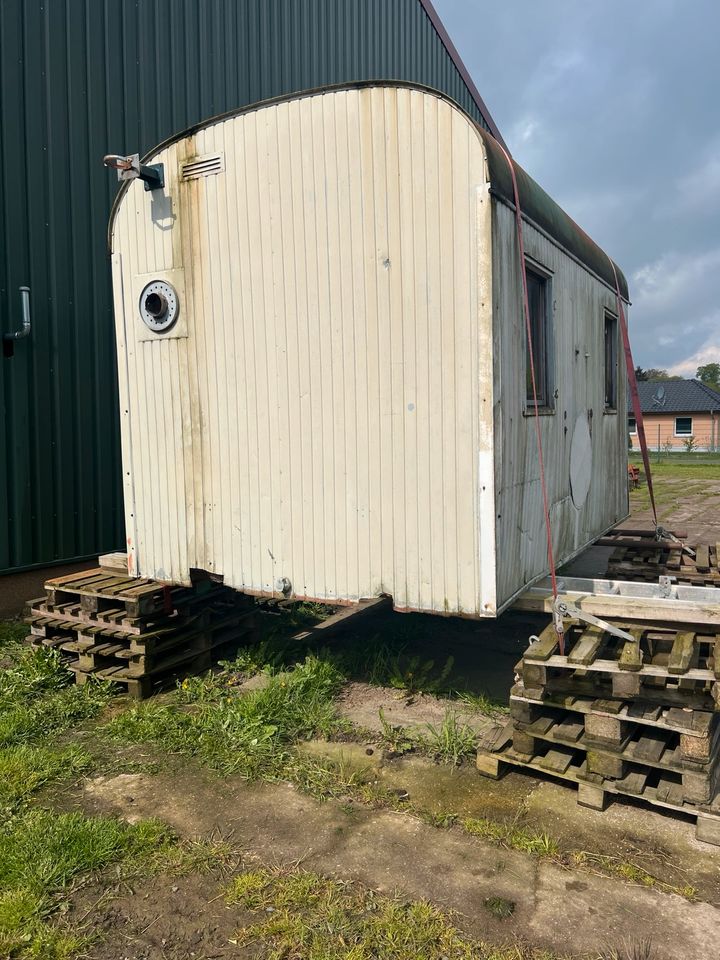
[500,907]
[24,769]
[513,835]
[38,702]
[39,698]
[250,734]
[482,703]
[452,741]
[631,872]
[41,854]
[301,914]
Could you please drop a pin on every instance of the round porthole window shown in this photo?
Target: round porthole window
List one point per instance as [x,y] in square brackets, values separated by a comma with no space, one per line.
[159,306]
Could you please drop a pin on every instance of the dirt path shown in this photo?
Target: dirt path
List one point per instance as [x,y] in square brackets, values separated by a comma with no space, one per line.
[567,911]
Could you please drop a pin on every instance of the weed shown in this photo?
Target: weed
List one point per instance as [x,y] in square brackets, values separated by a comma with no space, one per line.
[38,697]
[482,703]
[443,821]
[500,907]
[630,872]
[631,950]
[249,735]
[397,739]
[452,740]
[512,835]
[303,914]
[384,666]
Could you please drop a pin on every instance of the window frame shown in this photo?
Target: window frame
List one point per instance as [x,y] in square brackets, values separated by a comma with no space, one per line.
[546,402]
[689,433]
[632,430]
[609,318]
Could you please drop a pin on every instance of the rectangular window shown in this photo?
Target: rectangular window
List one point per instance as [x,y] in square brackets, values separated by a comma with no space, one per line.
[632,426]
[611,362]
[539,304]
[683,426]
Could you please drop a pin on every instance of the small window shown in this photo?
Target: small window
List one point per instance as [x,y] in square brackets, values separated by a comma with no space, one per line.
[539,304]
[683,426]
[632,426]
[611,362]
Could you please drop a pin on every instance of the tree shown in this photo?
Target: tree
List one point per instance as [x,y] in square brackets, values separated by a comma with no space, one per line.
[709,374]
[653,373]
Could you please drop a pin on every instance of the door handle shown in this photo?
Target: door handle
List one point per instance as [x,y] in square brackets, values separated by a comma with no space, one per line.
[24,331]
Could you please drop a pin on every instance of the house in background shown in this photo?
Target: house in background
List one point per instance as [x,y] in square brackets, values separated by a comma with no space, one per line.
[674,411]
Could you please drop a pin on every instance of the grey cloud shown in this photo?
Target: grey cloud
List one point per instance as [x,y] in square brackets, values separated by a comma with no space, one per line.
[613,108]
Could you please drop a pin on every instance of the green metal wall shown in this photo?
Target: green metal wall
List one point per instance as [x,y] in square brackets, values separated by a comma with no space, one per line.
[81,78]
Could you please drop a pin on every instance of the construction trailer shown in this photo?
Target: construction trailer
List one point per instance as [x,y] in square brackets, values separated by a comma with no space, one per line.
[323,361]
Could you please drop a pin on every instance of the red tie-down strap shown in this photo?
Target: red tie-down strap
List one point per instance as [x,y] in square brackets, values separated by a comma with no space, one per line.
[557,620]
[635,395]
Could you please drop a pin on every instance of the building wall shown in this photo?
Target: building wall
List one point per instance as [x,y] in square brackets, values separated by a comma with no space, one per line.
[82,78]
[323,410]
[579,303]
[660,431]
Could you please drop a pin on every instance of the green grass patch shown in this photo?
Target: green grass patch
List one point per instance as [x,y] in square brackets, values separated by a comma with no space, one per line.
[482,703]
[11,633]
[451,741]
[512,835]
[41,855]
[249,734]
[39,698]
[303,914]
[500,907]
[23,769]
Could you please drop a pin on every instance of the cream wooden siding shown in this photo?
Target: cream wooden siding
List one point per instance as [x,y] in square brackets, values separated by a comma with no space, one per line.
[328,416]
[577,350]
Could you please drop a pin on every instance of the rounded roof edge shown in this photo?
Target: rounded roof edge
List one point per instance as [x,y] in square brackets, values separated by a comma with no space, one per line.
[537,205]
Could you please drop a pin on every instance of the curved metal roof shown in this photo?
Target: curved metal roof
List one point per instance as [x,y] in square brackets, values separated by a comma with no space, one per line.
[537,206]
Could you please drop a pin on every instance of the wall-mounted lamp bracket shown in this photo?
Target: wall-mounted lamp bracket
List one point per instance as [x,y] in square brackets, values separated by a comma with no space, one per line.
[130,168]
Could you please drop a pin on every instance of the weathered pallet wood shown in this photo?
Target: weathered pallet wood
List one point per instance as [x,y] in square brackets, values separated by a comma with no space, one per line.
[660,789]
[698,730]
[143,686]
[657,749]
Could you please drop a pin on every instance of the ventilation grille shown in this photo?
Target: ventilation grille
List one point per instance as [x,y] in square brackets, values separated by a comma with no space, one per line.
[202,167]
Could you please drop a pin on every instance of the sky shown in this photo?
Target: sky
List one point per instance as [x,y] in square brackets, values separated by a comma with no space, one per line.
[613,106]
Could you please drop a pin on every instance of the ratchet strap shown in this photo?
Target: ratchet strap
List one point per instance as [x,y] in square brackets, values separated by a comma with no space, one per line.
[635,395]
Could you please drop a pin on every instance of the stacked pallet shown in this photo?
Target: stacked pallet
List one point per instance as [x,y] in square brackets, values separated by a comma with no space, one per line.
[638,555]
[636,718]
[138,633]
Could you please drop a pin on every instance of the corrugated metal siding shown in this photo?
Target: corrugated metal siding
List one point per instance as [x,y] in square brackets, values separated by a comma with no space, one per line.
[80,78]
[326,414]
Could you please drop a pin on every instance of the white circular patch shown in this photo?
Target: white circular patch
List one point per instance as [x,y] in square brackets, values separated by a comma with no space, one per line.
[580,461]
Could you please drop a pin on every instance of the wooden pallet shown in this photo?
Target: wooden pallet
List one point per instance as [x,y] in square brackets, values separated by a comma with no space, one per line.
[616,748]
[660,665]
[659,788]
[136,632]
[639,556]
[100,590]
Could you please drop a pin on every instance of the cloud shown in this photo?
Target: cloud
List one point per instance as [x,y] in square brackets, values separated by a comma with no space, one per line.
[619,126]
[674,280]
[698,192]
[709,352]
